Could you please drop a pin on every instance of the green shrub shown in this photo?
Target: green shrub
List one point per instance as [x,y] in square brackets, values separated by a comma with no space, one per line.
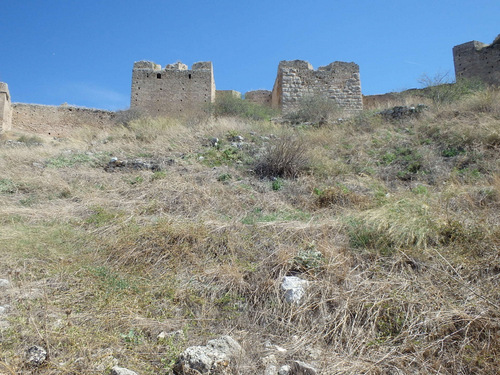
[227,105]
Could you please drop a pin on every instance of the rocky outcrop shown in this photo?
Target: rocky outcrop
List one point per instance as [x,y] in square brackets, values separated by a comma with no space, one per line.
[219,356]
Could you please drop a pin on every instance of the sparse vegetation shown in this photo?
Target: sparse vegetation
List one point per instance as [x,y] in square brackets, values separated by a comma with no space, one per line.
[394,224]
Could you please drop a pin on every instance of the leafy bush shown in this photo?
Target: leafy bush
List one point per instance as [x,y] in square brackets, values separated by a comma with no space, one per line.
[284,157]
[227,105]
[315,109]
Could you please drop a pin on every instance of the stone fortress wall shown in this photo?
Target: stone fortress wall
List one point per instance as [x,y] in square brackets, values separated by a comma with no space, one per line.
[58,120]
[338,81]
[262,97]
[5,108]
[478,60]
[173,90]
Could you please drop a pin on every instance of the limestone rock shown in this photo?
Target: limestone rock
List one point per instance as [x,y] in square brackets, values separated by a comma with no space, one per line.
[284,370]
[301,368]
[217,357]
[122,371]
[294,288]
[36,355]
[4,283]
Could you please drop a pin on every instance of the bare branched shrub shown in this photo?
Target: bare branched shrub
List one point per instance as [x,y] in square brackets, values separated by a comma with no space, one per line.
[283,157]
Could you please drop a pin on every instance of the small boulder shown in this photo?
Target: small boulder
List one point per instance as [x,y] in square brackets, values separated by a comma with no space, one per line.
[121,371]
[216,357]
[301,368]
[4,283]
[36,355]
[294,288]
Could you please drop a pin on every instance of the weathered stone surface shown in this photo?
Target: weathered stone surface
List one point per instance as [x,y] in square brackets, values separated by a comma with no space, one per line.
[217,357]
[173,91]
[403,112]
[262,97]
[301,368]
[127,165]
[122,371]
[36,355]
[338,81]
[476,60]
[4,283]
[294,288]
[5,108]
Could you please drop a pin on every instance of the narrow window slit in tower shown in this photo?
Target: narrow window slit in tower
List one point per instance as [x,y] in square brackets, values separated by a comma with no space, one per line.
[158,75]
[189,75]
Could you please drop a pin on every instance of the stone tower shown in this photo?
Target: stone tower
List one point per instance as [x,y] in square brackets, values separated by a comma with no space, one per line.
[5,108]
[478,60]
[172,91]
[338,81]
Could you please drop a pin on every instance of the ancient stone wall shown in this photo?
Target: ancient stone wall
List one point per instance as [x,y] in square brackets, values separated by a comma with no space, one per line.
[262,97]
[5,108]
[476,60]
[172,91]
[228,93]
[58,120]
[338,81]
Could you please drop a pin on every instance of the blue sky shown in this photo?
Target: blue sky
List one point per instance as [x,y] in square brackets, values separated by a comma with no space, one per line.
[82,51]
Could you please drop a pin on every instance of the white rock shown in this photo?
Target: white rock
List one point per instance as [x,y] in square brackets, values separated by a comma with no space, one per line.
[218,352]
[4,283]
[294,288]
[284,370]
[122,371]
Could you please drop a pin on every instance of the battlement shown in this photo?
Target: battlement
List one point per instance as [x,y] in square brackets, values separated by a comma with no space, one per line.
[173,90]
[5,108]
[477,60]
[338,81]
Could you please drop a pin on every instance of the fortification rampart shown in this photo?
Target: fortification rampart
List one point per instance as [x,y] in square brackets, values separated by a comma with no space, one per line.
[58,120]
[5,108]
[262,97]
[338,81]
[476,60]
[173,90]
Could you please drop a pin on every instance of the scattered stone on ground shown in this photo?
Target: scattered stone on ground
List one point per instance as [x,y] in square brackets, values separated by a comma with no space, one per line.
[116,164]
[284,370]
[403,112]
[175,335]
[121,371]
[4,283]
[294,288]
[270,364]
[217,357]
[36,355]
[301,368]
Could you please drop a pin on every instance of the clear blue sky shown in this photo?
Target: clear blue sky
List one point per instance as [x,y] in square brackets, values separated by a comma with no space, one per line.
[82,51]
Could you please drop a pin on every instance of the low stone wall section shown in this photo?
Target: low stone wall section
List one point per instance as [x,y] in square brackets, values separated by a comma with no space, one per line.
[262,97]
[58,120]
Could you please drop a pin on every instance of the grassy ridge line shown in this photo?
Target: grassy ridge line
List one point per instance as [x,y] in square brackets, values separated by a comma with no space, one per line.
[394,223]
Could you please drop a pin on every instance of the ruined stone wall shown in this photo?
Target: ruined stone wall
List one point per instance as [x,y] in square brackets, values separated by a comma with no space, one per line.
[338,81]
[262,97]
[5,108]
[477,60]
[172,91]
[58,120]
[228,93]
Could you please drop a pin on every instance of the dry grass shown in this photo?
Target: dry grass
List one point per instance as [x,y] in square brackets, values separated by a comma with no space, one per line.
[395,225]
